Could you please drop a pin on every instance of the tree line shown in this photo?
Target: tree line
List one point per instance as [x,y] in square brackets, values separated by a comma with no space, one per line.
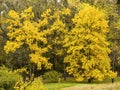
[77,37]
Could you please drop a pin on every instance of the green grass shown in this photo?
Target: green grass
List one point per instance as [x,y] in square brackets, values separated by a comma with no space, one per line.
[71,82]
[58,86]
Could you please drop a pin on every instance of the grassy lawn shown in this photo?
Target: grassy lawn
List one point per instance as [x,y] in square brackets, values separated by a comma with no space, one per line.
[106,86]
[58,86]
[71,82]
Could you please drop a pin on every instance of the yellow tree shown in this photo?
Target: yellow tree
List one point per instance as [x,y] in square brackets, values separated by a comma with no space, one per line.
[87,54]
[23,30]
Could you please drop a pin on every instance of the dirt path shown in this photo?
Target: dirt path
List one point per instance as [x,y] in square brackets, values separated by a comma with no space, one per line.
[115,86]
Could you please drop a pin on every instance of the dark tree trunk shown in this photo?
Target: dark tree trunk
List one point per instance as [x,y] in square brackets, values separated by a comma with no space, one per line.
[24,75]
[90,80]
[64,74]
[118,1]
[113,80]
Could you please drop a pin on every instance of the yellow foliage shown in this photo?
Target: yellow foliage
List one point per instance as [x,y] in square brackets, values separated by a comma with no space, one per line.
[88,51]
[112,74]
[13,14]
[46,13]
[24,30]
[79,79]
[22,70]
[12,46]
[27,14]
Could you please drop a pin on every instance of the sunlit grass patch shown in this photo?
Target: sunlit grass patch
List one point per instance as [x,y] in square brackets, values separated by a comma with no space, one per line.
[107,86]
[58,86]
[70,83]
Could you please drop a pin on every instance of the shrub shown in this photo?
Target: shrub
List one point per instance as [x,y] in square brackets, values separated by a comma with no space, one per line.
[31,85]
[8,78]
[51,76]
[36,85]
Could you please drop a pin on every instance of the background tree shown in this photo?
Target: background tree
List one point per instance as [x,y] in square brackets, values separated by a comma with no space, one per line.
[111,8]
[58,29]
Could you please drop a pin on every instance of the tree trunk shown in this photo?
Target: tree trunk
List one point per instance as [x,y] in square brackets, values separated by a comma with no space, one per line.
[64,74]
[113,80]
[30,74]
[118,1]
[90,80]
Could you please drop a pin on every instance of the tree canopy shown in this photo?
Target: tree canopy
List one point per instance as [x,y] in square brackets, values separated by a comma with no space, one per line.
[79,35]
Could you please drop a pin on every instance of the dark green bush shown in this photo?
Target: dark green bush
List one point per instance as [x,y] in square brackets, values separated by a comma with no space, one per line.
[8,78]
[51,76]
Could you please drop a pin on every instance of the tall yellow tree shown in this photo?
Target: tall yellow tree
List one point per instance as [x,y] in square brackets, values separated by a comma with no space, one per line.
[23,30]
[87,54]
